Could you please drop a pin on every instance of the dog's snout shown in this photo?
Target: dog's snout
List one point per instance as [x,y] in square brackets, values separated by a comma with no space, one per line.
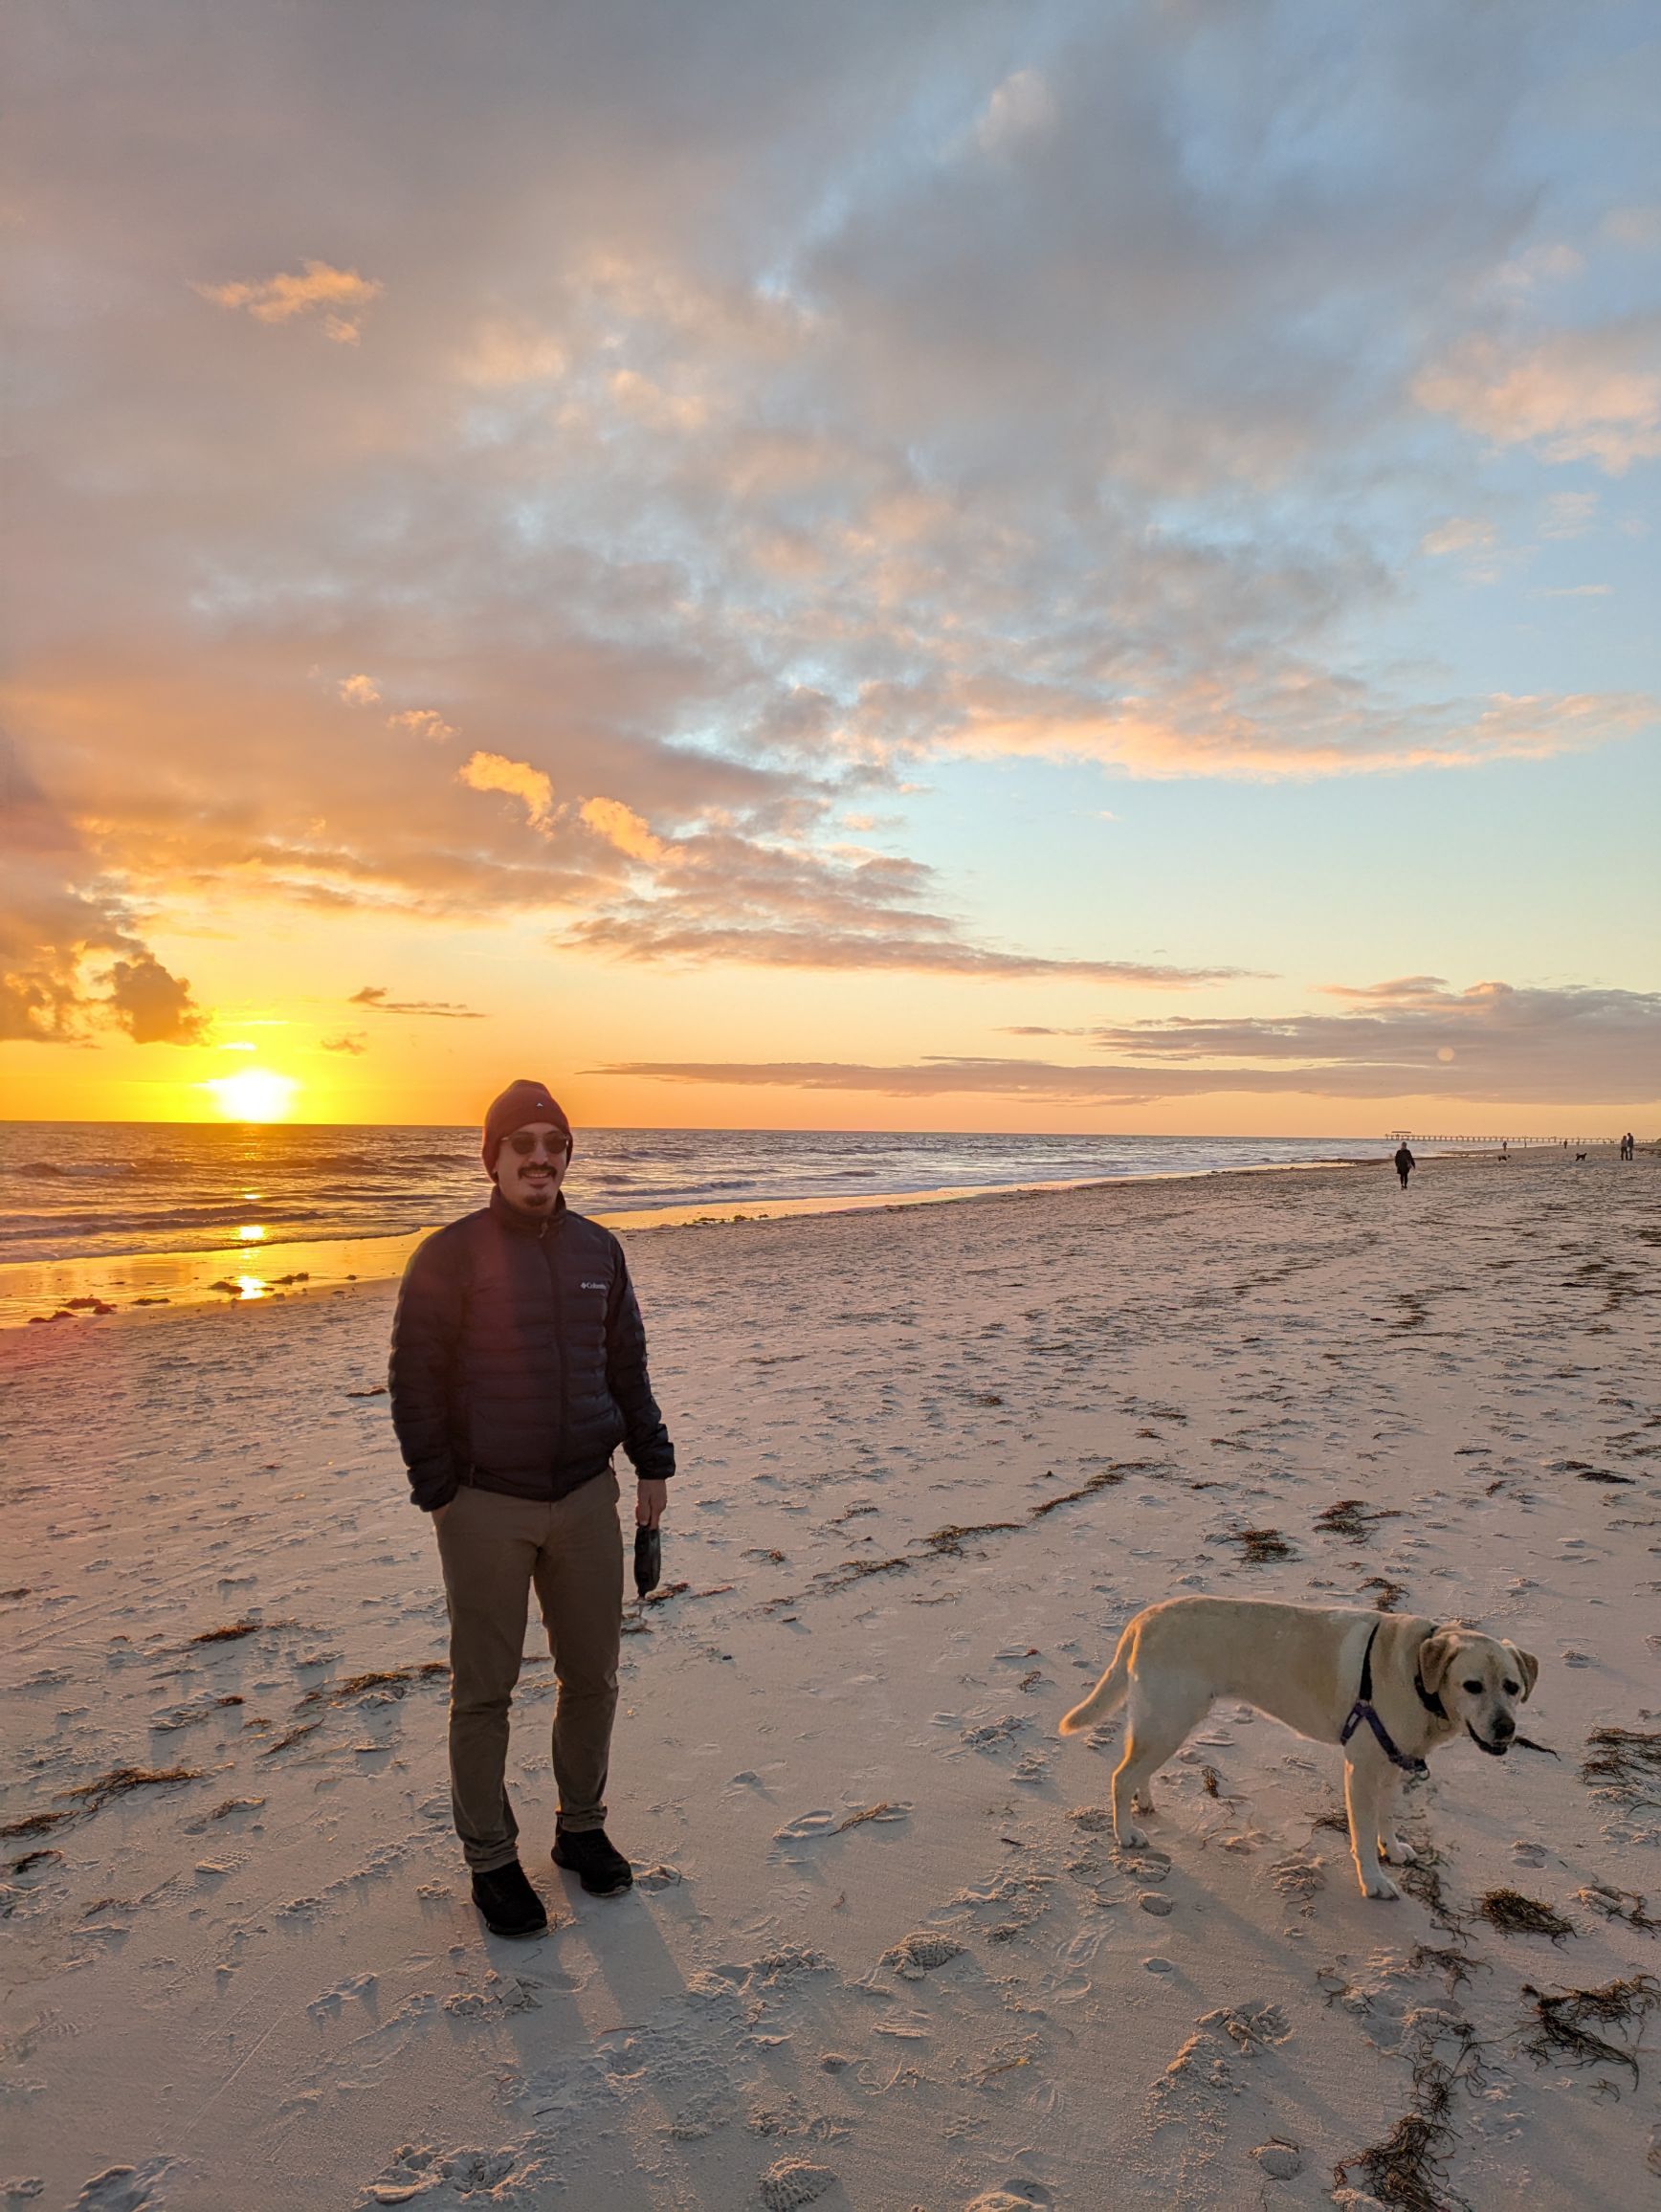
[1504,1727]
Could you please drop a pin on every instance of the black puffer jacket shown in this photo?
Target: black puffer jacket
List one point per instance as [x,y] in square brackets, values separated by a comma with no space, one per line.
[518,1358]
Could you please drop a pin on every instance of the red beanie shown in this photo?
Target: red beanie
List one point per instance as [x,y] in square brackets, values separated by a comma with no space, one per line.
[520,1103]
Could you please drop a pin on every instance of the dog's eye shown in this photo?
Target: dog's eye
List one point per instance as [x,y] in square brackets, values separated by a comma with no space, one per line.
[1474,1687]
[1511,1688]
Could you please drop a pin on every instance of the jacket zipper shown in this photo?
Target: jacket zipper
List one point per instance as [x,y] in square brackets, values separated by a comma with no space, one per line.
[561,1423]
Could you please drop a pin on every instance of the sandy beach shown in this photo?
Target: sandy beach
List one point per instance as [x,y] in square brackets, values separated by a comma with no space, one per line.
[882,1951]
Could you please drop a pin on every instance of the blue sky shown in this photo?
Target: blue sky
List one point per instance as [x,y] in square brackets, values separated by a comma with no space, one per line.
[751,554]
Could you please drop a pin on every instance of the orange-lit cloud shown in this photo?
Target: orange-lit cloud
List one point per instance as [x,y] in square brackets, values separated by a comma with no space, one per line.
[72,959]
[339,295]
[516,779]
[622,829]
[1576,395]
[1493,1043]
[429,722]
[1283,721]
[379,999]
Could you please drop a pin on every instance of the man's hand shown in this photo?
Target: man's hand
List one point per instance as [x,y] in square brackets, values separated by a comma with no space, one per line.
[650,1500]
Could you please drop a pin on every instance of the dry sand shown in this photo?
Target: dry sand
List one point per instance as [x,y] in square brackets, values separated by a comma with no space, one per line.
[882,1952]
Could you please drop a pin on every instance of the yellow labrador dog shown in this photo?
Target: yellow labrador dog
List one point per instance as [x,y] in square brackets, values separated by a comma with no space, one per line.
[1387,1687]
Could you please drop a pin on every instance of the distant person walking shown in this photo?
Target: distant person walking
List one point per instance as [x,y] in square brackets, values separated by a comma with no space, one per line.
[518,1366]
[1405,1163]
[1628,1146]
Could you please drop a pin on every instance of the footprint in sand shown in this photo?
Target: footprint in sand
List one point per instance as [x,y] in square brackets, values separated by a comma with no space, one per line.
[125,2188]
[416,2169]
[804,1828]
[333,2001]
[660,1877]
[915,1954]
[791,2182]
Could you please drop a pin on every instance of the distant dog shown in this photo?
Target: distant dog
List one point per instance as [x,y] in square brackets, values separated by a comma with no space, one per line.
[1387,1687]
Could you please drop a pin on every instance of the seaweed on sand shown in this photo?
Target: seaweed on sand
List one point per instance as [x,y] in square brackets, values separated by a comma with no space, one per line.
[1620,1904]
[948,1542]
[1408,2168]
[1103,1478]
[395,1682]
[1353,1517]
[1260,1546]
[1455,1965]
[289,1736]
[89,1797]
[852,1571]
[1515,1915]
[1421,1880]
[1626,1759]
[884,1811]
[1566,2026]
[1389,1592]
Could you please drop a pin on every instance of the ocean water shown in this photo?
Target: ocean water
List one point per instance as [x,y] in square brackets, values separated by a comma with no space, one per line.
[73,1191]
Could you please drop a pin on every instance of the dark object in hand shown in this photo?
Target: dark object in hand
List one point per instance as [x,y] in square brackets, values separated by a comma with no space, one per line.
[648,1559]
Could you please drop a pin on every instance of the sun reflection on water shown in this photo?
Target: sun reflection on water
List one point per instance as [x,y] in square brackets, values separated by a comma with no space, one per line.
[253,1286]
[250,1233]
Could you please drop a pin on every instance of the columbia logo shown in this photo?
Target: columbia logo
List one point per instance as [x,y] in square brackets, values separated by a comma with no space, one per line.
[597,1286]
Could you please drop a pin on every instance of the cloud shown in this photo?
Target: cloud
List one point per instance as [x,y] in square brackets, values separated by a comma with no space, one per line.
[1459,534]
[1634,226]
[376,997]
[339,295]
[153,1007]
[1494,1043]
[429,722]
[728,899]
[72,959]
[516,779]
[1575,395]
[1568,514]
[348,1042]
[1282,722]
[1020,109]
[622,828]
[770,406]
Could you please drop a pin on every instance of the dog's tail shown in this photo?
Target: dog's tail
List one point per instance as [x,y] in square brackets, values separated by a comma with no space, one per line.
[1108,1696]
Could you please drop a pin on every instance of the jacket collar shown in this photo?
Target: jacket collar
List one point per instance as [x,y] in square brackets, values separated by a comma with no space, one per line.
[516,1224]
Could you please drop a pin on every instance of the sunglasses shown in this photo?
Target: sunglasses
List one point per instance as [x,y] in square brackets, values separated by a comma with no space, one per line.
[527,1147]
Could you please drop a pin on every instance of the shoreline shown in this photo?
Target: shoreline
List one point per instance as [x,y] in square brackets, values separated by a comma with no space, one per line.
[34,1292]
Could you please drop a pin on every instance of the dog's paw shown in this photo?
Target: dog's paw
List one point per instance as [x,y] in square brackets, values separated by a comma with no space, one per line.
[1379,1885]
[1128,1838]
[1396,1853]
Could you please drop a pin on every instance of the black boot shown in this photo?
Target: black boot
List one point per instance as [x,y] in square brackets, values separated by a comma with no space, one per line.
[594,1859]
[510,1906]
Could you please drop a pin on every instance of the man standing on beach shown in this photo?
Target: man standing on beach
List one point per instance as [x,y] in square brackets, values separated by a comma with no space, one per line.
[1405,1163]
[518,1366]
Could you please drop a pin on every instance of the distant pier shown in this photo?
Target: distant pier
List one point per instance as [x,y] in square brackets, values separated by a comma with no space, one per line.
[1512,1143]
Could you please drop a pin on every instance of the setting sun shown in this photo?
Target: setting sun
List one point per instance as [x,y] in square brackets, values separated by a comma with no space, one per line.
[256,1095]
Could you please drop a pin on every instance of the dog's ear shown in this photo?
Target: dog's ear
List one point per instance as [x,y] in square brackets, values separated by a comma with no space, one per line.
[1529,1666]
[1436,1656]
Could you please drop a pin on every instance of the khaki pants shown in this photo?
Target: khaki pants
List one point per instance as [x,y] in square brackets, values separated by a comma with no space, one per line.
[495,1549]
